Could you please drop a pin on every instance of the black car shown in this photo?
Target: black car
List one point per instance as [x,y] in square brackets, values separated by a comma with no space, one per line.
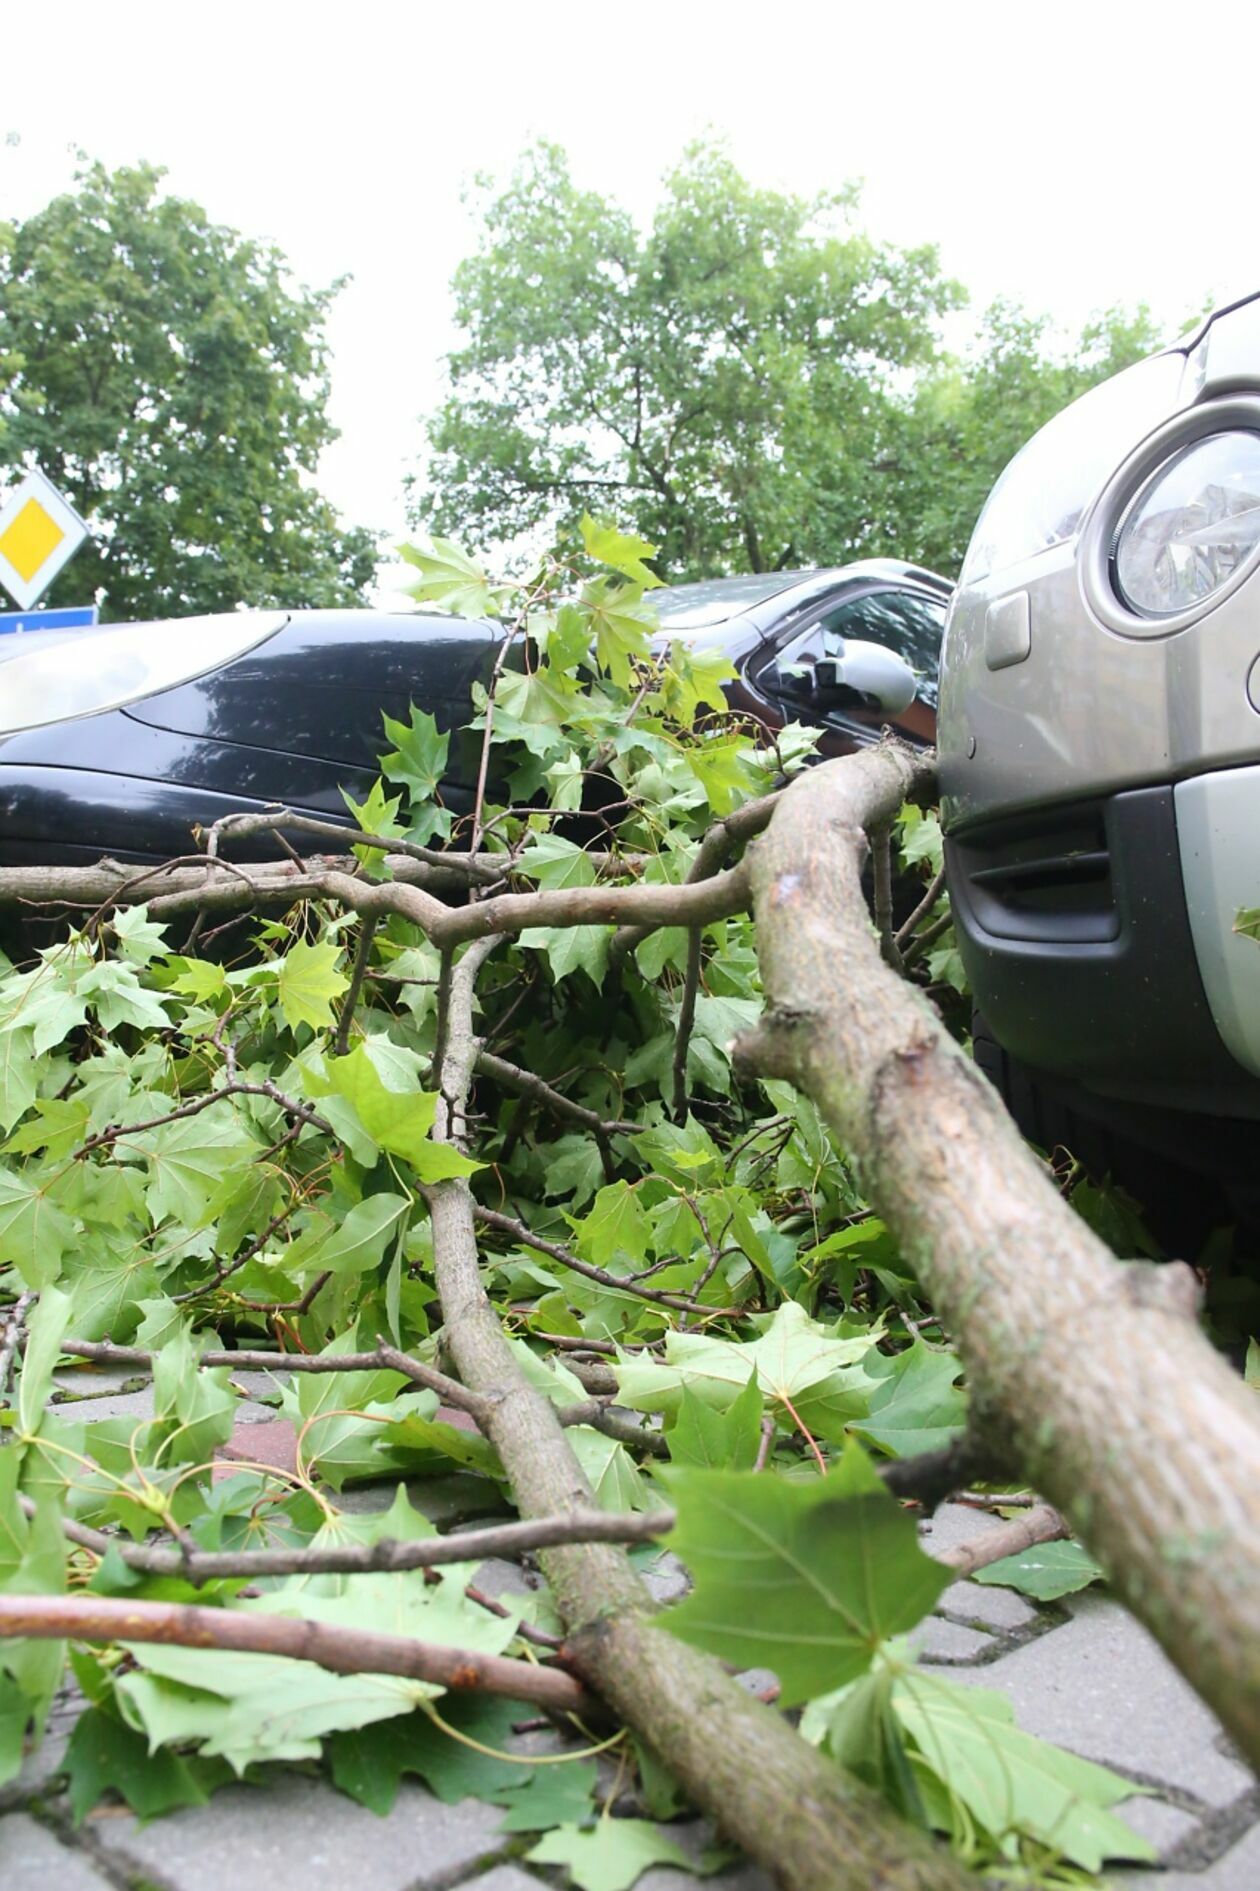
[121,739]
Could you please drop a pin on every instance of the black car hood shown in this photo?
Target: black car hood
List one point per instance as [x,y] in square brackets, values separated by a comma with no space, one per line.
[317,688]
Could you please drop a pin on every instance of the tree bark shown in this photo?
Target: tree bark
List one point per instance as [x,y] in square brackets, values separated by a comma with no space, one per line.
[811,1825]
[1090,1373]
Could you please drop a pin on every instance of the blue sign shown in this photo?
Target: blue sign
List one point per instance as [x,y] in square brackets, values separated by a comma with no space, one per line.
[74,617]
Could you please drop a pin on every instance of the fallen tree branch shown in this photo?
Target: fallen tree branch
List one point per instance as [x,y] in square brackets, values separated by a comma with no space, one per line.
[387,1556]
[339,1650]
[391,1557]
[732,831]
[810,1823]
[1041,1524]
[1064,1346]
[507,1224]
[525,1083]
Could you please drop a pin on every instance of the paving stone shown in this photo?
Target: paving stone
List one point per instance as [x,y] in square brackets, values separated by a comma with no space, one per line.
[1164,1825]
[504,1878]
[949,1641]
[1237,1870]
[301,1835]
[953,1524]
[1101,1686]
[666,1580]
[135,1405]
[31,1859]
[81,1382]
[986,1602]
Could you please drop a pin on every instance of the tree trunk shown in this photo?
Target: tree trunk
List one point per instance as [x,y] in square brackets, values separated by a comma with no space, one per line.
[1090,1373]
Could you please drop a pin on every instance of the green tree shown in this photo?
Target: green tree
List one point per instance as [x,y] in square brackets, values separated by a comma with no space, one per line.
[753,381]
[164,373]
[726,379]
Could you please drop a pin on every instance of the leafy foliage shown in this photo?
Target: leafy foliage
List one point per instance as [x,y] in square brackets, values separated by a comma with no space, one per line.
[166,375]
[203,1149]
[752,379]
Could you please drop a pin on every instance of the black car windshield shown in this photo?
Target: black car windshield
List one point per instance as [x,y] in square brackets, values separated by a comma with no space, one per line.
[48,676]
[716,600]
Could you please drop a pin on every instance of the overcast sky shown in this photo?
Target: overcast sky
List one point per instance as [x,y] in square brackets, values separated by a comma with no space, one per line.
[1070,156]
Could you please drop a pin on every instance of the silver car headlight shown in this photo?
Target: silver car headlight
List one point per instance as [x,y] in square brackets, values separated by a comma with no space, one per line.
[1176,529]
[1194,525]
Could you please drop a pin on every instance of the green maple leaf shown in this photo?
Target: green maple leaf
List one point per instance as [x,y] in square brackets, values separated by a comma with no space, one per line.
[796,1360]
[1046,1571]
[550,1796]
[248,1707]
[611,1855]
[359,1238]
[377,814]
[616,1232]
[1247,922]
[571,949]
[34,1231]
[309,984]
[192,1162]
[1009,1781]
[556,862]
[619,550]
[449,578]
[140,938]
[917,1405]
[694,681]
[720,765]
[19,1082]
[399,1120]
[106,1754]
[621,624]
[717,1441]
[118,997]
[418,758]
[806,1578]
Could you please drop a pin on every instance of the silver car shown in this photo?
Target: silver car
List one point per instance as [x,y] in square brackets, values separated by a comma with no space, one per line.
[1099,732]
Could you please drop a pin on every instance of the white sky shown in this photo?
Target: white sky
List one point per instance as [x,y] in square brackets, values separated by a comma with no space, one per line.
[1070,156]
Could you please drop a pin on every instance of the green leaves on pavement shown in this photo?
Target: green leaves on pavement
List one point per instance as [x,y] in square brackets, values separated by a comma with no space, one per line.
[807,1578]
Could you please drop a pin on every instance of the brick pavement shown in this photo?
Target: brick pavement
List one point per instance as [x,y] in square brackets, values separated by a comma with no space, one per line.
[1081,1672]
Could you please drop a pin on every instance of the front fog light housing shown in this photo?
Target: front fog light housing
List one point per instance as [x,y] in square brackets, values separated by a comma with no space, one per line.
[1193,527]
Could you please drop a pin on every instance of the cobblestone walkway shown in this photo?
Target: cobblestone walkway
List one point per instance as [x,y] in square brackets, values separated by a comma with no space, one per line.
[1080,1672]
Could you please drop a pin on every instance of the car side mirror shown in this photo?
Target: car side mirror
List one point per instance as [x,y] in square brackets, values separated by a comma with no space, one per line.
[866,673]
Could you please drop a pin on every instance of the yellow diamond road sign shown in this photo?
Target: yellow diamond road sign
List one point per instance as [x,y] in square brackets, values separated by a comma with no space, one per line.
[39,532]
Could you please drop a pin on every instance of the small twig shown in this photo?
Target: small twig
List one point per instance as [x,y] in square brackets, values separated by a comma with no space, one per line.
[1040,1525]
[525,1083]
[579,1525]
[686,1021]
[450,1391]
[767,1438]
[931,1476]
[339,1650]
[925,940]
[12,1332]
[936,887]
[506,1224]
[367,932]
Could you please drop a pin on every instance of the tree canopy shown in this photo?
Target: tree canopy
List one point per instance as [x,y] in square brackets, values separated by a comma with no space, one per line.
[169,378]
[752,380]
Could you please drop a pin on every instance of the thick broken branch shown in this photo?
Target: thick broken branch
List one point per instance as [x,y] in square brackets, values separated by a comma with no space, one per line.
[1064,1346]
